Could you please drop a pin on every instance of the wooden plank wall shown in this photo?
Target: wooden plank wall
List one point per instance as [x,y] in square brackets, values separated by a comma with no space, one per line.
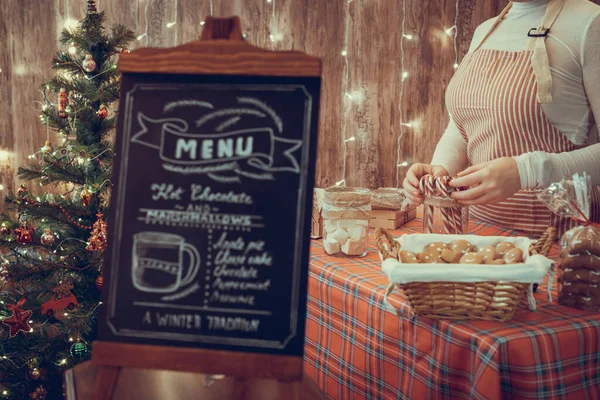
[364,96]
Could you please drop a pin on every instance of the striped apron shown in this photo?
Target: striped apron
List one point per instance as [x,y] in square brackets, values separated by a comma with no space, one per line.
[493,98]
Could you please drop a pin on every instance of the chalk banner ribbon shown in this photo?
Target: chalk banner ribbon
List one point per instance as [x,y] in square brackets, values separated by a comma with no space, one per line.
[260,146]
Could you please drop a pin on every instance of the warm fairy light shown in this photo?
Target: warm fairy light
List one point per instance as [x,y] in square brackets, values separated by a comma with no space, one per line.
[352,139]
[31,330]
[404,75]
[71,23]
[202,22]
[72,50]
[455,65]
[344,53]
[66,315]
[1,186]
[450,30]
[70,339]
[171,24]
[268,1]
[31,322]
[4,156]
[63,361]
[407,37]
[5,393]
[403,164]
[340,183]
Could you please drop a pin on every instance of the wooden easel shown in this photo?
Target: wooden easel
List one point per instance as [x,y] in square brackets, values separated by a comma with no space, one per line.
[220,50]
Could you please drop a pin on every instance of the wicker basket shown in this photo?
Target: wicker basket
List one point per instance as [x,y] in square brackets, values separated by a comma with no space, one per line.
[463,300]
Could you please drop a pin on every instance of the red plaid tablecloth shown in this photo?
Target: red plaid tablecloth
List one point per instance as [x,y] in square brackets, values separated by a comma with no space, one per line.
[356,349]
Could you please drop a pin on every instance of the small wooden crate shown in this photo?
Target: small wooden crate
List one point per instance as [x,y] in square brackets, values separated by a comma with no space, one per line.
[391,219]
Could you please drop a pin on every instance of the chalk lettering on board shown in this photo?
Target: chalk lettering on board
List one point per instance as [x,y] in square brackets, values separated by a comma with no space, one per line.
[147,318]
[265,108]
[227,123]
[205,193]
[178,296]
[232,323]
[218,297]
[166,191]
[224,179]
[201,169]
[261,177]
[229,111]
[175,123]
[186,103]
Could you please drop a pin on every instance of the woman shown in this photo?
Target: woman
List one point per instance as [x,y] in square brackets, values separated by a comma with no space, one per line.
[524,111]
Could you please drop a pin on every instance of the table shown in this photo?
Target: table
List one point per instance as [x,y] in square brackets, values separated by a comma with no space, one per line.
[166,385]
[356,349]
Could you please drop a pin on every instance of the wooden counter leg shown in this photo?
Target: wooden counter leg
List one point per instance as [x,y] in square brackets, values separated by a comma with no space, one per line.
[106,382]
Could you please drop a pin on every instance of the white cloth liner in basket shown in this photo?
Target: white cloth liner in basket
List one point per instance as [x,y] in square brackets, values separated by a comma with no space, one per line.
[531,271]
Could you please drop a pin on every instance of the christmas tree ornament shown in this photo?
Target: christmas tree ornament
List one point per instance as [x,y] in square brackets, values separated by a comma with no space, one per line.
[47,237]
[97,241]
[63,102]
[62,299]
[24,235]
[91,7]
[102,112]
[88,64]
[86,197]
[125,51]
[47,148]
[18,322]
[22,191]
[35,374]
[99,281]
[4,229]
[39,393]
[79,350]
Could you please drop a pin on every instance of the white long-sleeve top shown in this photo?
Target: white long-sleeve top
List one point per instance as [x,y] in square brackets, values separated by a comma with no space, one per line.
[573,47]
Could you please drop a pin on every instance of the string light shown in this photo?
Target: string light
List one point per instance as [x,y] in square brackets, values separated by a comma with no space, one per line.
[450,30]
[345,94]
[145,34]
[404,76]
[172,24]
[455,34]
[407,37]
[403,164]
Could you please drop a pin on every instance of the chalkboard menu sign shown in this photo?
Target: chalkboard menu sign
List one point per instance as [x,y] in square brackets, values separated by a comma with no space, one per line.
[210,211]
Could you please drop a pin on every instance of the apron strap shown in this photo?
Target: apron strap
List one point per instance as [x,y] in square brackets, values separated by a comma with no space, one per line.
[537,43]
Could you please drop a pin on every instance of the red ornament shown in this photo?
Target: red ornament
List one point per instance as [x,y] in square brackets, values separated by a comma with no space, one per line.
[102,112]
[19,320]
[24,235]
[22,191]
[97,241]
[99,281]
[63,102]
[47,237]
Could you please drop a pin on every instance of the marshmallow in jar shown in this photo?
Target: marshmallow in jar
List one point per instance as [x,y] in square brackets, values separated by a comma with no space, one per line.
[346,215]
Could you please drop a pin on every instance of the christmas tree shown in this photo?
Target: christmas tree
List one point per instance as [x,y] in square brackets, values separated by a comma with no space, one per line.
[51,244]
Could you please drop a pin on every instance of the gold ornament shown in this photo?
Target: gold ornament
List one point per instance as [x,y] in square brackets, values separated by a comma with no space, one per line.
[35,374]
[47,148]
[102,112]
[86,197]
[89,65]
[39,393]
[47,237]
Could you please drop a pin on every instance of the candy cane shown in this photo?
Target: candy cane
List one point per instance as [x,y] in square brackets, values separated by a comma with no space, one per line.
[447,213]
[426,186]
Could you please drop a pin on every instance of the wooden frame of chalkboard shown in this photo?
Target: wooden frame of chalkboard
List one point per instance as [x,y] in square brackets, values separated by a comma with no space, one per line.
[207,262]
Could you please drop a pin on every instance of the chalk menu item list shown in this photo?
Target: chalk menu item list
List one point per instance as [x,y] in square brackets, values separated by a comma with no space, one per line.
[210,212]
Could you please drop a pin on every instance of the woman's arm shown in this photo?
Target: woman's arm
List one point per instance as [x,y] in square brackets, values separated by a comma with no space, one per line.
[539,169]
[451,150]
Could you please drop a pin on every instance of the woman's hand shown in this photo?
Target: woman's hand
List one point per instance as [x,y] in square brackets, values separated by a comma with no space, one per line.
[491,182]
[413,176]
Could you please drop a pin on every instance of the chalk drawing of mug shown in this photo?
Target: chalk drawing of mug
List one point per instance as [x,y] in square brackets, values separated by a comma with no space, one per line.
[158,262]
